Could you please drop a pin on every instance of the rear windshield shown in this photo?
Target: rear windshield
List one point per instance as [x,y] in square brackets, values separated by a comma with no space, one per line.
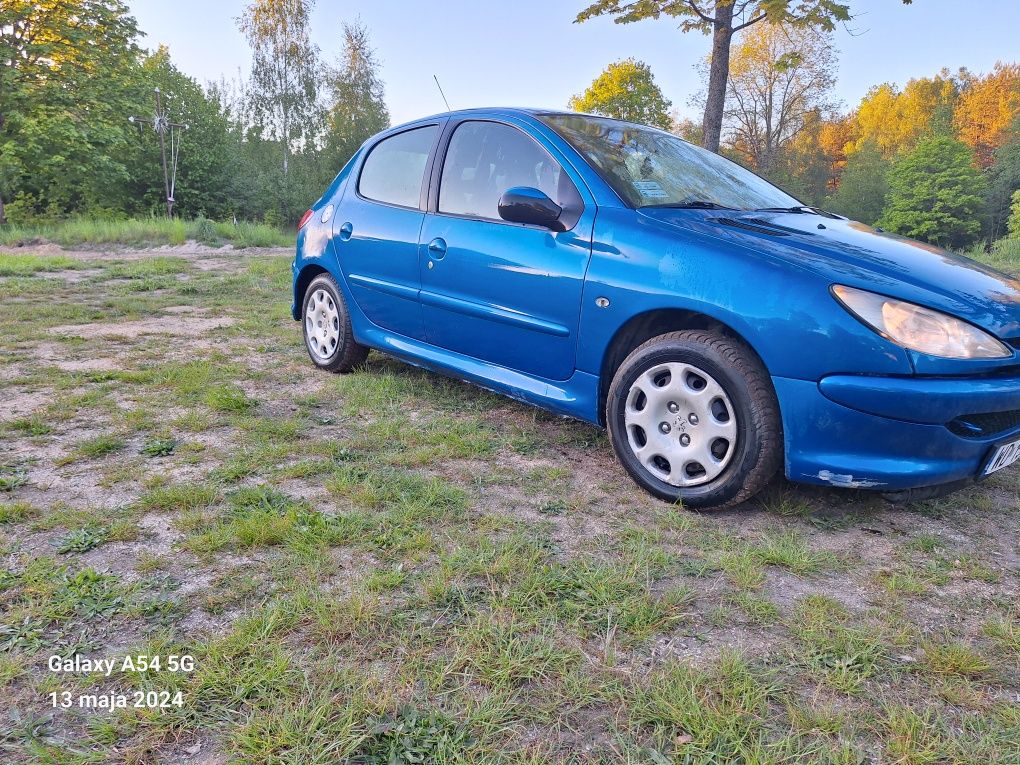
[649,167]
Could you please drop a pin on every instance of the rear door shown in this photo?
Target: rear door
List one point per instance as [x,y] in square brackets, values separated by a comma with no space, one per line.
[376,230]
[502,292]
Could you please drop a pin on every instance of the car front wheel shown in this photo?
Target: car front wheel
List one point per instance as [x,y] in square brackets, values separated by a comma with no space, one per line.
[693,418]
[329,337]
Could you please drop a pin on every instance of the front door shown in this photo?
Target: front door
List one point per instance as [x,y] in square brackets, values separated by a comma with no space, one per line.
[502,292]
[377,227]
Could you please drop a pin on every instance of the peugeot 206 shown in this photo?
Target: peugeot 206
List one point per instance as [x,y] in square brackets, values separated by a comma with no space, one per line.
[716,326]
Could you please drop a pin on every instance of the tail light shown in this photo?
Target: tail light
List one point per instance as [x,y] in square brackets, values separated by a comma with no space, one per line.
[304,219]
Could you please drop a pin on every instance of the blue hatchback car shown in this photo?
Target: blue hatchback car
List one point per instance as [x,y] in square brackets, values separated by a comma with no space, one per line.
[720,329]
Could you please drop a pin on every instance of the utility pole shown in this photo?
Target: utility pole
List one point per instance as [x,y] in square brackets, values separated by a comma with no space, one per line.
[164,128]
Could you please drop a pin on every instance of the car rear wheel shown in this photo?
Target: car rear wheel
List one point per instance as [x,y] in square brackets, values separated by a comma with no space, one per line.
[693,418]
[329,337]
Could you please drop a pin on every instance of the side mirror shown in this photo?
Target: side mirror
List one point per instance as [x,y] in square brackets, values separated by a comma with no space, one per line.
[523,204]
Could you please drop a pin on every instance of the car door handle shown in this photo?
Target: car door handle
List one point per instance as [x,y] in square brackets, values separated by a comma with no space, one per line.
[437,248]
[345,231]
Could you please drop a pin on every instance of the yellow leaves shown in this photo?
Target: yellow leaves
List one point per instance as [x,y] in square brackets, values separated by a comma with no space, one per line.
[895,121]
[833,138]
[779,83]
[986,109]
[982,109]
[625,90]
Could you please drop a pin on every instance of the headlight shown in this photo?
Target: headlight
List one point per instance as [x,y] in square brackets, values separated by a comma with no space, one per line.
[918,328]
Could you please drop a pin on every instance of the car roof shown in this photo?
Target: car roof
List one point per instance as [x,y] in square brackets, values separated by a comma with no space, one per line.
[489,110]
[503,111]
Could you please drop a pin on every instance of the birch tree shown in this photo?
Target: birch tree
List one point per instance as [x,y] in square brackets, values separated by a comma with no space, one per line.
[282,92]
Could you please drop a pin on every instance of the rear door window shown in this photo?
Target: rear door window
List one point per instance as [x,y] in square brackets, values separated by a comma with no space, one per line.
[395,167]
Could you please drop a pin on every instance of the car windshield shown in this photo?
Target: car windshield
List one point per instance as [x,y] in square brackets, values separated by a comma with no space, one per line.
[650,168]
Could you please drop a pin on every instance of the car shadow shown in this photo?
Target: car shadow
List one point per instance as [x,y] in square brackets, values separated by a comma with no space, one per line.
[822,507]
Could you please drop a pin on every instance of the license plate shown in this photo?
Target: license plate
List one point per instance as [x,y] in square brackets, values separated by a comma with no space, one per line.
[1002,457]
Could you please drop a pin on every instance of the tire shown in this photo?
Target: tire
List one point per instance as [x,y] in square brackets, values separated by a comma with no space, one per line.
[694,419]
[326,323]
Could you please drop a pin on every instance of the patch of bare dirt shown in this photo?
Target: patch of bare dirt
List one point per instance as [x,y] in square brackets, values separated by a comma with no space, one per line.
[71,275]
[39,247]
[19,404]
[786,590]
[89,365]
[159,533]
[10,370]
[226,256]
[704,648]
[172,325]
[219,264]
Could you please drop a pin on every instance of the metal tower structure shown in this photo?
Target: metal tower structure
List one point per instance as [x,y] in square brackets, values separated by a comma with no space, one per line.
[168,132]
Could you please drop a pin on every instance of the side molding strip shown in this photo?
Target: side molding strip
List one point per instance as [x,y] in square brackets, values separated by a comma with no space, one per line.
[494,313]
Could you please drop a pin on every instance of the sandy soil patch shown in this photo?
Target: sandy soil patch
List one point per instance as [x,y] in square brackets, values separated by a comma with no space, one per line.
[160,325]
[21,404]
[191,250]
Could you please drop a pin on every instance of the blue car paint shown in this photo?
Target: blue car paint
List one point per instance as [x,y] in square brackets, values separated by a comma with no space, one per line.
[857,410]
[508,294]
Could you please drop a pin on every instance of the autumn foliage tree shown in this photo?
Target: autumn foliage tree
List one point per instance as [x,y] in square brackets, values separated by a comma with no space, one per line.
[781,78]
[626,90]
[986,109]
[982,112]
[834,137]
[895,120]
[722,19]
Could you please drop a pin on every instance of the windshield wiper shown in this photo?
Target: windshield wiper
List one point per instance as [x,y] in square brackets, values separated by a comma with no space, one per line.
[692,204]
[801,209]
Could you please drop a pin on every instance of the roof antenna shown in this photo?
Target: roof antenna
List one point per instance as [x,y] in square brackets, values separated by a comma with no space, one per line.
[442,93]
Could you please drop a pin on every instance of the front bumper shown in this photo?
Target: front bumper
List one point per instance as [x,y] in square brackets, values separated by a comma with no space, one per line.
[892,433]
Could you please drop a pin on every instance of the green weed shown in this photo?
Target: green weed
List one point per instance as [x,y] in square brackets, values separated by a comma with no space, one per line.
[82,540]
[159,447]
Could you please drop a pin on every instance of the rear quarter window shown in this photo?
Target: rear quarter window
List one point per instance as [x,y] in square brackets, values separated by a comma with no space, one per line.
[395,167]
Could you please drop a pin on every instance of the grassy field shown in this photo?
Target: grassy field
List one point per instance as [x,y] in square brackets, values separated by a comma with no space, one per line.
[393,567]
[146,232]
[1003,255]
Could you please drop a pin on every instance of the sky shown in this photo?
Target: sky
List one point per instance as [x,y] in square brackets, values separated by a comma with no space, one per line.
[530,53]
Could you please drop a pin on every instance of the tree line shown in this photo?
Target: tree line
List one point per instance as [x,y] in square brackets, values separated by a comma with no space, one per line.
[937,159]
[261,146]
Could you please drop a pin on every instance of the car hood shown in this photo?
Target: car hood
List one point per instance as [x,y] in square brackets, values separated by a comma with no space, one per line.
[852,253]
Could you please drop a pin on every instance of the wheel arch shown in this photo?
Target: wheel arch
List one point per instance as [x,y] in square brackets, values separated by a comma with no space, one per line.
[643,327]
[304,278]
